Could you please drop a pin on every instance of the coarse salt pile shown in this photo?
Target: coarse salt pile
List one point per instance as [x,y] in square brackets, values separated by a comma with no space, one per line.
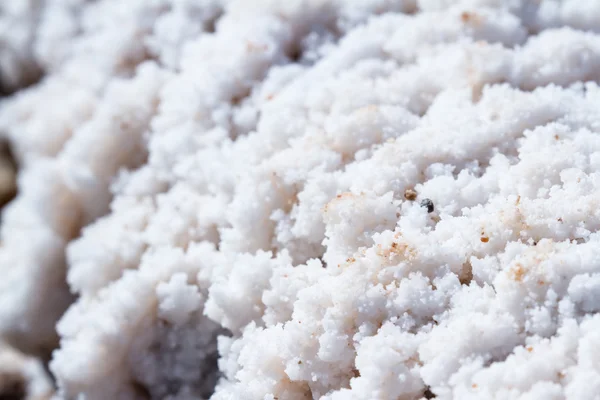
[308,199]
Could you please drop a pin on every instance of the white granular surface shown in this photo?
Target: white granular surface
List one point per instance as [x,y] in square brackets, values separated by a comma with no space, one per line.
[214,191]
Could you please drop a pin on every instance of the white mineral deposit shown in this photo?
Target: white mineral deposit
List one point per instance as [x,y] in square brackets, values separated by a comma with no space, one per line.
[301,199]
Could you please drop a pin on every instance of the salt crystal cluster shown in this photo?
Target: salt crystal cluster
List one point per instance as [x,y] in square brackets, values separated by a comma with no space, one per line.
[211,197]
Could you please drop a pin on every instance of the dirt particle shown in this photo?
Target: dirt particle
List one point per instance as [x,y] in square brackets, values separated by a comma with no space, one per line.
[410,194]
[517,272]
[470,18]
[466,274]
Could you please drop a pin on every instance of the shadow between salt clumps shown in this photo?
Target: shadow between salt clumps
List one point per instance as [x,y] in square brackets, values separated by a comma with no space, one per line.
[179,361]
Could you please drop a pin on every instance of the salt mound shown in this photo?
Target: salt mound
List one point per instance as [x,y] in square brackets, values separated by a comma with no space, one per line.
[337,200]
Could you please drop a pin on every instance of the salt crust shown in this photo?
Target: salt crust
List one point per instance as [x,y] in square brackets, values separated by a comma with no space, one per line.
[208,180]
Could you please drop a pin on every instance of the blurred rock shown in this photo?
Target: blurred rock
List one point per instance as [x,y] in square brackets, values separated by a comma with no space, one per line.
[8,174]
[22,377]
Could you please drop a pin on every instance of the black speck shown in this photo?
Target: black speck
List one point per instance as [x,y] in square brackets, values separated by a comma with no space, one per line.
[427,203]
[428,394]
